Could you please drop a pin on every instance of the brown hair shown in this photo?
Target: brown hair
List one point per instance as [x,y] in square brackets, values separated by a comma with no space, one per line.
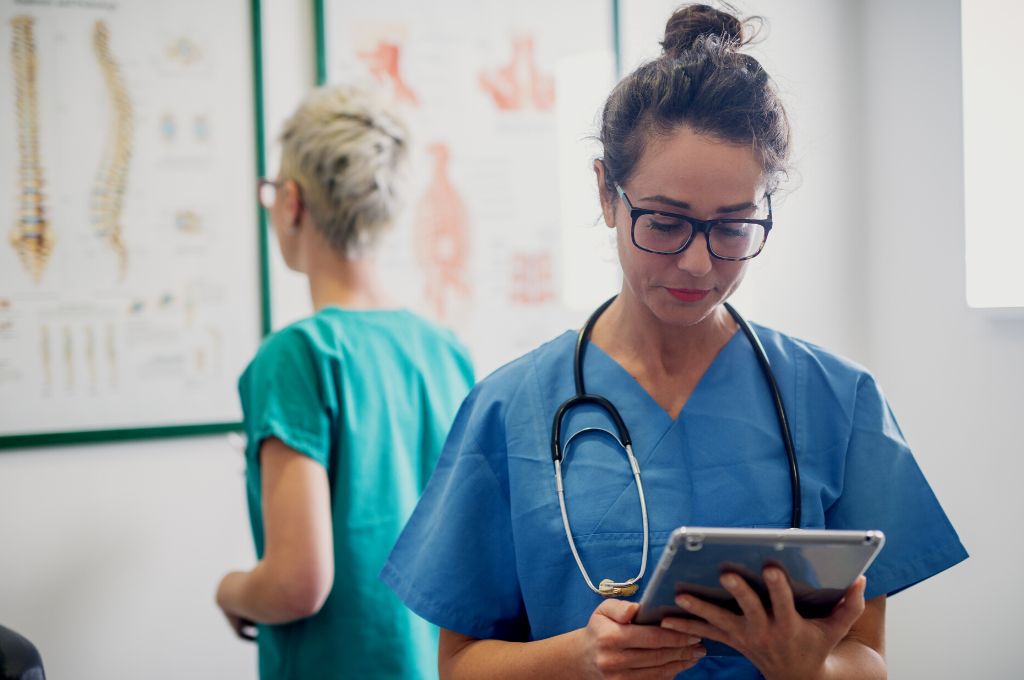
[701,81]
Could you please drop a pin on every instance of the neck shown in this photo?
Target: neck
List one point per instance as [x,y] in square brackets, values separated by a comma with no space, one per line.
[336,281]
[630,333]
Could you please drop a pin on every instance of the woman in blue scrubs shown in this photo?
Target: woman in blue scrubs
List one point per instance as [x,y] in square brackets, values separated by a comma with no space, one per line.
[696,136]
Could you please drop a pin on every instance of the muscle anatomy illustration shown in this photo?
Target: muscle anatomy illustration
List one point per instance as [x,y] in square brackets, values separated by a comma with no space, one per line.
[532,278]
[383,62]
[519,84]
[31,236]
[442,237]
[108,192]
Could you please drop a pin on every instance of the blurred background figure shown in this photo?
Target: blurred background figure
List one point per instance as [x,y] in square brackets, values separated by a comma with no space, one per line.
[345,411]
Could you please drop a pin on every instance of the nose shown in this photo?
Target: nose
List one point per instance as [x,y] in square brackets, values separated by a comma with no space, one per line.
[696,259]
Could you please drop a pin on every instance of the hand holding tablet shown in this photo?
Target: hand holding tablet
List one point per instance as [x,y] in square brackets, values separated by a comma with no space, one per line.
[820,566]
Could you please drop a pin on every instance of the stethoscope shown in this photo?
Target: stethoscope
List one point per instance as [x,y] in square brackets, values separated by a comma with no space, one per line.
[608,587]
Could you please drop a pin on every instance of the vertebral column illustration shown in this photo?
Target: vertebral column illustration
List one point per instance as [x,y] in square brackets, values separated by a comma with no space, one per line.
[108,193]
[31,236]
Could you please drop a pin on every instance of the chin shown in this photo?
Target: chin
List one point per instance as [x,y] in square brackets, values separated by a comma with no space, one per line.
[672,312]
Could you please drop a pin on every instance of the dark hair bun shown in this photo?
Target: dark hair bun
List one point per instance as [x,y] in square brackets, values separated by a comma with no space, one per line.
[690,23]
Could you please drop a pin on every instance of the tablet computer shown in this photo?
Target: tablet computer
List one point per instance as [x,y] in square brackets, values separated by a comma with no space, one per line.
[820,564]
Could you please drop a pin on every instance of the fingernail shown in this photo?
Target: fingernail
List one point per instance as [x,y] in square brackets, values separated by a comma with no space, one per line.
[730,580]
[693,641]
[771,575]
[684,602]
[698,653]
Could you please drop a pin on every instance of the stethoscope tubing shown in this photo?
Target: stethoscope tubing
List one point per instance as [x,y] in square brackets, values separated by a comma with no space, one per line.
[780,413]
[609,588]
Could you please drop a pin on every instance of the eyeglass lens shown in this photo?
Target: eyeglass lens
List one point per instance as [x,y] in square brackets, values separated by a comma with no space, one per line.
[667,234]
[267,192]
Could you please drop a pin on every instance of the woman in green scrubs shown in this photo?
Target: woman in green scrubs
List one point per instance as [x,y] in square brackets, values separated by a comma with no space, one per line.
[345,412]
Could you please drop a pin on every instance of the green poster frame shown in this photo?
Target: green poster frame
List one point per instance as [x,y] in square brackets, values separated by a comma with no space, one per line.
[8,442]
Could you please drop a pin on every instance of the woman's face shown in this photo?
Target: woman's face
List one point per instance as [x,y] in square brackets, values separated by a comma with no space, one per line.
[696,176]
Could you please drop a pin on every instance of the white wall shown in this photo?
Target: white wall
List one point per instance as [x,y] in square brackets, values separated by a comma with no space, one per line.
[109,554]
[955,375]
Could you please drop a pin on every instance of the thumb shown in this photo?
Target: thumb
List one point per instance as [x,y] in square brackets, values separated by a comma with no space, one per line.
[849,610]
[618,611]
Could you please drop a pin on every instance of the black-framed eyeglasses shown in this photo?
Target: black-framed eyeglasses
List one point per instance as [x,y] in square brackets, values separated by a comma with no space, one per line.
[666,233]
[266,191]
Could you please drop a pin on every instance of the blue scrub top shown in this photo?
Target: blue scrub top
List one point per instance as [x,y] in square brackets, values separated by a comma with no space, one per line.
[485,554]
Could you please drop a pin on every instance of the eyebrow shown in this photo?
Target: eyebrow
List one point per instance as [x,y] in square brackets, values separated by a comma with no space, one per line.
[683,205]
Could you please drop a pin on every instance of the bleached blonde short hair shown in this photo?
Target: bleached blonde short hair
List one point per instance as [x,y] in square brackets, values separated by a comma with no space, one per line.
[348,150]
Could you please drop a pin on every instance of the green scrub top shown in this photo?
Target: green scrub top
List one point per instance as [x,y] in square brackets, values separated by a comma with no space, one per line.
[370,395]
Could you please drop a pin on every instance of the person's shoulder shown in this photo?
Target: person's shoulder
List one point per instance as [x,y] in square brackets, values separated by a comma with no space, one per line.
[289,350]
[432,347]
[790,349]
[428,331]
[821,370]
[500,389]
[538,360]
[300,335]
[508,391]
[818,371]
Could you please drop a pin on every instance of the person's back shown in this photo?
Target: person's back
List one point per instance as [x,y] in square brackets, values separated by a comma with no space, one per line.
[370,395]
[345,412]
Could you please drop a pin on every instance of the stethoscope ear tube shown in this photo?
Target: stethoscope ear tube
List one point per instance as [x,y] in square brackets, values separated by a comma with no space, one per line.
[780,412]
[609,588]
[581,345]
[581,396]
[578,400]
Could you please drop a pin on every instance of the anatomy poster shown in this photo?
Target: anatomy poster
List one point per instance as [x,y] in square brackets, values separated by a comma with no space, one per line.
[129,258]
[501,241]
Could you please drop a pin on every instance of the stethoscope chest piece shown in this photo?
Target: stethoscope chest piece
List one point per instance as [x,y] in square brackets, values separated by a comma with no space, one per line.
[609,588]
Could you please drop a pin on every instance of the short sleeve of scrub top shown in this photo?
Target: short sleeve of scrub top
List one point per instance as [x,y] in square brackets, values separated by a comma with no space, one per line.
[462,538]
[881,481]
[282,396]
[485,552]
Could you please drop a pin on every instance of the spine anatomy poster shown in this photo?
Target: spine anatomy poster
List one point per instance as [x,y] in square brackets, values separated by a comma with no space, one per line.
[502,240]
[129,233]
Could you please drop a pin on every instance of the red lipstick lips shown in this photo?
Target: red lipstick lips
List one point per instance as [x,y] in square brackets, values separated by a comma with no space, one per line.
[687,294]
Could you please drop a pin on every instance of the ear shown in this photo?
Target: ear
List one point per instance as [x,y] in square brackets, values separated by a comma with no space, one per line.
[293,206]
[607,200]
